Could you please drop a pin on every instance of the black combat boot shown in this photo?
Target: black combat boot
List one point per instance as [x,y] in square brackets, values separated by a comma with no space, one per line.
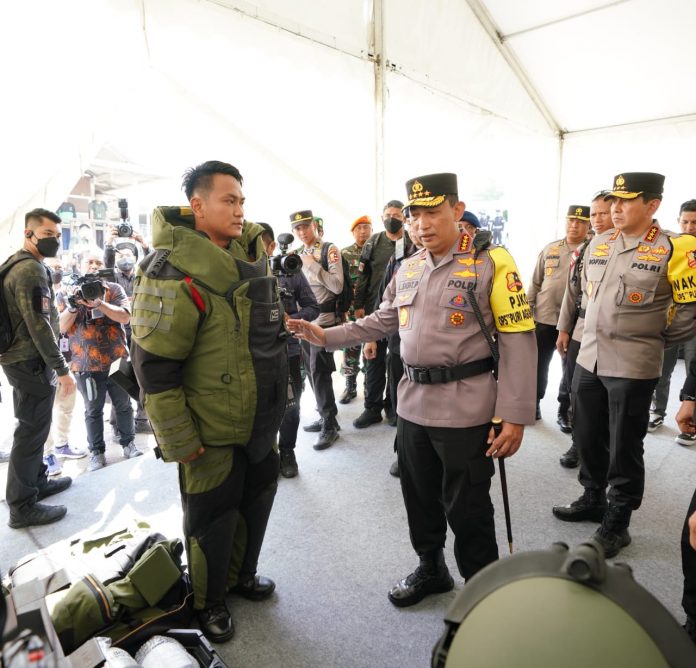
[257,588]
[590,506]
[367,417]
[613,534]
[350,392]
[288,463]
[431,577]
[51,487]
[314,426]
[328,435]
[570,459]
[216,623]
[35,515]
[563,420]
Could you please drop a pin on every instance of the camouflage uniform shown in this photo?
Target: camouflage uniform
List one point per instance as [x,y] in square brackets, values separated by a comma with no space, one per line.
[351,356]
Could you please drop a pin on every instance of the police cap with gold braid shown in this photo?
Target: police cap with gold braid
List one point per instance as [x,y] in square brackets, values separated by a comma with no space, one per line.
[630,185]
[578,211]
[300,218]
[430,190]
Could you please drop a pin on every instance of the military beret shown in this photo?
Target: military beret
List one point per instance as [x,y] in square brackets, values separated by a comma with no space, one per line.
[630,185]
[578,211]
[360,221]
[470,218]
[300,217]
[430,190]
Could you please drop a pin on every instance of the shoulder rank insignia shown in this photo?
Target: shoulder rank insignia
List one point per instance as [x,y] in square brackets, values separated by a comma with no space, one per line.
[615,236]
[464,243]
[652,234]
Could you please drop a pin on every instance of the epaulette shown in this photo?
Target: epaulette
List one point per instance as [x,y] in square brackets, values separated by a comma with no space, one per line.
[156,265]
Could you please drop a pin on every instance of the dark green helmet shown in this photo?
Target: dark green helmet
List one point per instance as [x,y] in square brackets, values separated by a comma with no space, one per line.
[560,608]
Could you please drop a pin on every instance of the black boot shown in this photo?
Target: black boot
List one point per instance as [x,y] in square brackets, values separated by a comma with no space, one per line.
[35,515]
[51,487]
[328,435]
[690,628]
[288,463]
[538,412]
[563,420]
[350,392]
[570,459]
[367,417]
[394,469]
[257,588]
[590,506]
[216,623]
[314,426]
[431,577]
[613,534]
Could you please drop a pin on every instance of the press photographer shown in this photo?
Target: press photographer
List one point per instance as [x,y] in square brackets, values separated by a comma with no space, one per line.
[127,234]
[297,298]
[94,322]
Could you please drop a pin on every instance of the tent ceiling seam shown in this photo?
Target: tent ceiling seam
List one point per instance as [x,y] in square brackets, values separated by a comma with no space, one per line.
[563,19]
[649,121]
[236,6]
[486,21]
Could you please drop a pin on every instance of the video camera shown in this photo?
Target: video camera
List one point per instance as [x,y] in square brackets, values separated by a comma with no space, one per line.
[90,286]
[125,229]
[285,264]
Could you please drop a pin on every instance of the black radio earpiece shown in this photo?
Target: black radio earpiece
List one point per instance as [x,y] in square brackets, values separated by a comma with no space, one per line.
[28,233]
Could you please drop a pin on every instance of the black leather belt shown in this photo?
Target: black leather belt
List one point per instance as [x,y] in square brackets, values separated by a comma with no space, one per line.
[328,306]
[447,374]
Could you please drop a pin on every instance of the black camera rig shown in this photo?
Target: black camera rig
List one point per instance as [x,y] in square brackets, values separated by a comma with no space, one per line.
[89,286]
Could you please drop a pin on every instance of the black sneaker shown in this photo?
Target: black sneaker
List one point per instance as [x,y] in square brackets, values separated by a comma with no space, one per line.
[570,458]
[314,426]
[563,422]
[288,463]
[419,584]
[394,469]
[591,506]
[35,515]
[656,421]
[51,487]
[611,541]
[216,623]
[368,417]
[257,588]
[328,435]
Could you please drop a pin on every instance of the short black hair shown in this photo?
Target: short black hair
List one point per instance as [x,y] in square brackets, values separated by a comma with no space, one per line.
[200,177]
[32,219]
[393,204]
[689,205]
[267,231]
[452,199]
[650,196]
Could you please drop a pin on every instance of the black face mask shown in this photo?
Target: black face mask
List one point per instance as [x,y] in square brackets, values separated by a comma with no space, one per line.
[125,265]
[393,225]
[48,247]
[57,277]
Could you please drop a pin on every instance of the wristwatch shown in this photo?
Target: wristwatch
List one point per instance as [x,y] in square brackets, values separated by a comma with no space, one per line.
[683,396]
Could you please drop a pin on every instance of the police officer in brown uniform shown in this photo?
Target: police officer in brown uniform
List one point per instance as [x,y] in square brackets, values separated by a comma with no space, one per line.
[326,283]
[572,317]
[641,294]
[545,297]
[448,393]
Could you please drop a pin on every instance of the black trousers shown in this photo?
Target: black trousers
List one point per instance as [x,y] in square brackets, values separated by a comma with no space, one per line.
[688,555]
[610,420]
[569,363]
[320,365]
[33,391]
[546,336]
[395,370]
[376,378]
[287,433]
[446,477]
[212,519]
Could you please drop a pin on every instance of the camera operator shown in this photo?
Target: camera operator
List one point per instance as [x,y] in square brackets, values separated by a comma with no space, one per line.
[113,247]
[297,299]
[97,338]
[124,254]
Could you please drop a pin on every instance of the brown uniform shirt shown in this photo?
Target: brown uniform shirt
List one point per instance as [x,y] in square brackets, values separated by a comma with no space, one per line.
[574,286]
[641,295]
[549,281]
[428,305]
[325,284]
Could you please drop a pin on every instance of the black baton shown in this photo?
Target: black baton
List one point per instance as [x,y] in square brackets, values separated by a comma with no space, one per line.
[497,428]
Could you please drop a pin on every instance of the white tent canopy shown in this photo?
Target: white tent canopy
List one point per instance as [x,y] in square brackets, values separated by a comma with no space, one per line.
[333,105]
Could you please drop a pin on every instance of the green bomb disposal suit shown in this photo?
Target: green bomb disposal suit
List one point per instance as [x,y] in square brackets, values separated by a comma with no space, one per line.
[210,355]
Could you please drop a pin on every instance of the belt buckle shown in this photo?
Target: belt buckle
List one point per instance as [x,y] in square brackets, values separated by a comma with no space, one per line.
[421,375]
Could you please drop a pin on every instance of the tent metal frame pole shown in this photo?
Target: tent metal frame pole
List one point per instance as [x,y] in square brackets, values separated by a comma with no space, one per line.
[377,53]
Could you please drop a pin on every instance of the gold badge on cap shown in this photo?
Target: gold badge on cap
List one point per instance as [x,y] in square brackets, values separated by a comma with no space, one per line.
[578,211]
[620,181]
[298,216]
[417,187]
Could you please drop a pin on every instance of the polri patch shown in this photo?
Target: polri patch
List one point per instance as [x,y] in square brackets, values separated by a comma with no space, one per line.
[514,284]
[458,300]
[456,319]
[333,255]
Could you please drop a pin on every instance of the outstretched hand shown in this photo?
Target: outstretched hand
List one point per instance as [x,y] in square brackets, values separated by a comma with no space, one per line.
[307,331]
